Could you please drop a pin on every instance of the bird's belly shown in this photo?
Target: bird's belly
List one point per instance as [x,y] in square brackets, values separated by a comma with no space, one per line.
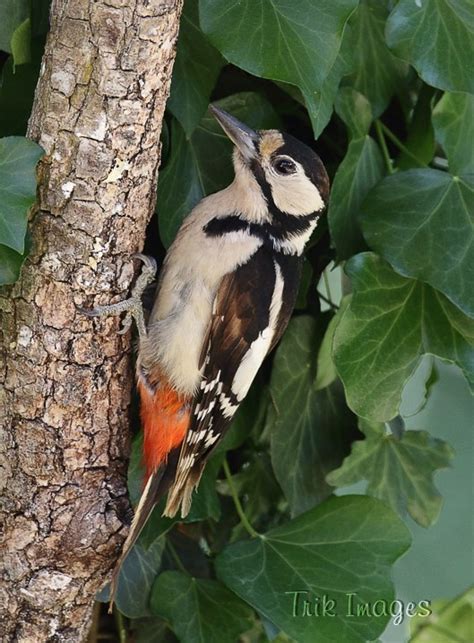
[174,342]
[183,309]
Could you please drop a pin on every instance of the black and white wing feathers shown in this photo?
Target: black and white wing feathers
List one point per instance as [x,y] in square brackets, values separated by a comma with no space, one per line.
[251,311]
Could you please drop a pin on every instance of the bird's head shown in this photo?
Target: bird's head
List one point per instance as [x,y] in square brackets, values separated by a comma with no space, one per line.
[290,174]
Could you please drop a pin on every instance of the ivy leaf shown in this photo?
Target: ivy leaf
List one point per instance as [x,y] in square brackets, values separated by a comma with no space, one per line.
[203,164]
[320,107]
[377,73]
[12,14]
[296,43]
[422,222]
[21,43]
[195,71]
[200,610]
[388,325]
[345,545]
[354,109]
[150,630]
[447,622]
[420,140]
[18,159]
[257,484]
[311,430]
[453,120]
[136,578]
[326,372]
[398,471]
[435,36]
[10,265]
[205,503]
[360,170]
[249,418]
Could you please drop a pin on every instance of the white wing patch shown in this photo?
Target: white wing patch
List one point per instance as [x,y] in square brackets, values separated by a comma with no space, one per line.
[228,409]
[258,349]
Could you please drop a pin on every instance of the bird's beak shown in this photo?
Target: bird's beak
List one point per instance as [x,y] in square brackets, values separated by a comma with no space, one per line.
[241,135]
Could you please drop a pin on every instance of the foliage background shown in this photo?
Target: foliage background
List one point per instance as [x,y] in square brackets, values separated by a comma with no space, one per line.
[386,91]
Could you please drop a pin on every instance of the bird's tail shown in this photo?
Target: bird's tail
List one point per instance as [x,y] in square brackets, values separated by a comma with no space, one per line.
[165,418]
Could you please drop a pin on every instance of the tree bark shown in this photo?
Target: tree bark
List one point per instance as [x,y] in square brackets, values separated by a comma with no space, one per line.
[65,380]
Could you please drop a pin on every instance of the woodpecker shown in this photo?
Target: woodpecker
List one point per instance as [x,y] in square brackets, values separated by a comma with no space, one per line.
[225,294]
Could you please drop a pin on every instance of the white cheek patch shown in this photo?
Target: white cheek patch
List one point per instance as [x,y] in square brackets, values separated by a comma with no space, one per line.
[294,193]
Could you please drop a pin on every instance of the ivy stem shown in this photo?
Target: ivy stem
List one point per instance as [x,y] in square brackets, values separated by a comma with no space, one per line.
[120,625]
[397,427]
[383,146]
[396,141]
[175,557]
[238,505]
[328,301]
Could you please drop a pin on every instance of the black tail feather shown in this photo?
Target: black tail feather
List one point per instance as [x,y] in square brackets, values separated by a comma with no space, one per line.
[157,485]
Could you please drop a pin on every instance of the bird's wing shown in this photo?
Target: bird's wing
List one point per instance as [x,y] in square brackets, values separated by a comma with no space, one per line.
[250,313]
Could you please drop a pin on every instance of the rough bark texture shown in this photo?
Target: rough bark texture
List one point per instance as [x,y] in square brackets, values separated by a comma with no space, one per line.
[65,380]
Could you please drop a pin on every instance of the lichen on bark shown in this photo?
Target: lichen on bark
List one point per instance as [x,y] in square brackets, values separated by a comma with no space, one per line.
[65,380]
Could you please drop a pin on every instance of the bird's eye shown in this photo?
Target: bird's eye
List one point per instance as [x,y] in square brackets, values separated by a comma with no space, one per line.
[284,166]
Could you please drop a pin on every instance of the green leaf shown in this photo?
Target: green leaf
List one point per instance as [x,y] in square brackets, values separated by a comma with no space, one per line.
[200,610]
[205,502]
[420,141]
[296,43]
[377,72]
[21,43]
[435,36]
[195,71]
[151,630]
[18,159]
[136,578]
[422,222]
[342,547]
[311,430]
[360,170]
[10,265]
[320,107]
[453,120]
[258,486]
[326,370]
[249,417]
[12,14]
[203,164]
[399,472]
[354,109]
[445,621]
[389,324]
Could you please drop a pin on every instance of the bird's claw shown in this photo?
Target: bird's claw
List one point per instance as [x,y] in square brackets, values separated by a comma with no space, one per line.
[126,323]
[132,307]
[148,262]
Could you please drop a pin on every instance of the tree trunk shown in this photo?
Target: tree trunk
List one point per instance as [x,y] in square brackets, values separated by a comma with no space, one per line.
[66,379]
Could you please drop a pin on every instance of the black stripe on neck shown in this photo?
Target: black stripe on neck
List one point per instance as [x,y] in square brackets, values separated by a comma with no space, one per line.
[231,223]
[269,233]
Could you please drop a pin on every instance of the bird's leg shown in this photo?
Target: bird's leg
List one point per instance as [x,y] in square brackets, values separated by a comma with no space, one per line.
[132,307]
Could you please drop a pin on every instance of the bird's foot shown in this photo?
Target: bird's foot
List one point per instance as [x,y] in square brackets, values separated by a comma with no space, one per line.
[132,307]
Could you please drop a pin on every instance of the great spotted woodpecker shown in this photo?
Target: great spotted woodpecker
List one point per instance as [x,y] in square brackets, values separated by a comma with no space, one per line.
[225,295]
